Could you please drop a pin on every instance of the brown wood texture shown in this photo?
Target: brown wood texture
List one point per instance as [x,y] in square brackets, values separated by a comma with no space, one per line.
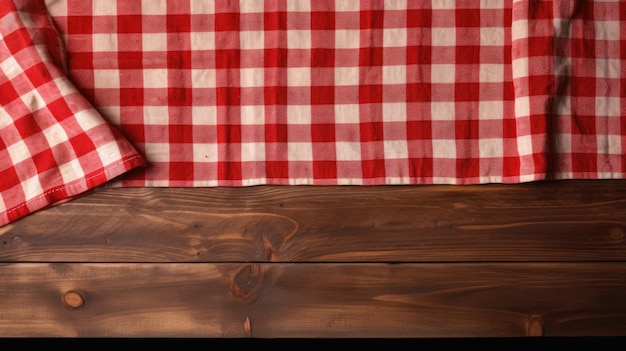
[270,300]
[545,258]
[539,222]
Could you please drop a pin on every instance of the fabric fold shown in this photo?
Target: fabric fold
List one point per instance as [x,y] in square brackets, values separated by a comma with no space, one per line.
[54,145]
[588,118]
[568,74]
[532,59]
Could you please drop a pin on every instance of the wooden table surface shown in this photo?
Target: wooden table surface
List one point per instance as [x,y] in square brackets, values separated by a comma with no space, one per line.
[544,258]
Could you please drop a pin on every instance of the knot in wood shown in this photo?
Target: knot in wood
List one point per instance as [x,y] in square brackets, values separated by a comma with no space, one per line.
[247,282]
[535,326]
[617,234]
[73,299]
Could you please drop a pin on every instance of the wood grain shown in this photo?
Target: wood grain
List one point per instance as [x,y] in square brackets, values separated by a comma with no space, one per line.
[537,259]
[270,300]
[538,222]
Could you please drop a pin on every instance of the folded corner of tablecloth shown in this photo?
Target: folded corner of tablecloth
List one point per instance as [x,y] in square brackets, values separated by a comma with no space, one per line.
[54,144]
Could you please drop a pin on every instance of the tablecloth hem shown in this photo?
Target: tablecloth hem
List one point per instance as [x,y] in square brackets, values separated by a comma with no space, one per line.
[70,191]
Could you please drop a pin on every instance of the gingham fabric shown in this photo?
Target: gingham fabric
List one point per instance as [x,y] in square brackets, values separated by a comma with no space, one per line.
[306,92]
[53,144]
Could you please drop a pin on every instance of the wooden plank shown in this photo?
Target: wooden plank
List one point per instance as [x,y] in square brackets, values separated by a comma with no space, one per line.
[545,221]
[271,300]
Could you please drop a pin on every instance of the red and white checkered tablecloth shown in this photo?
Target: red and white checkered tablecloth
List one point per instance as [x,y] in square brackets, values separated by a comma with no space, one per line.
[201,93]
